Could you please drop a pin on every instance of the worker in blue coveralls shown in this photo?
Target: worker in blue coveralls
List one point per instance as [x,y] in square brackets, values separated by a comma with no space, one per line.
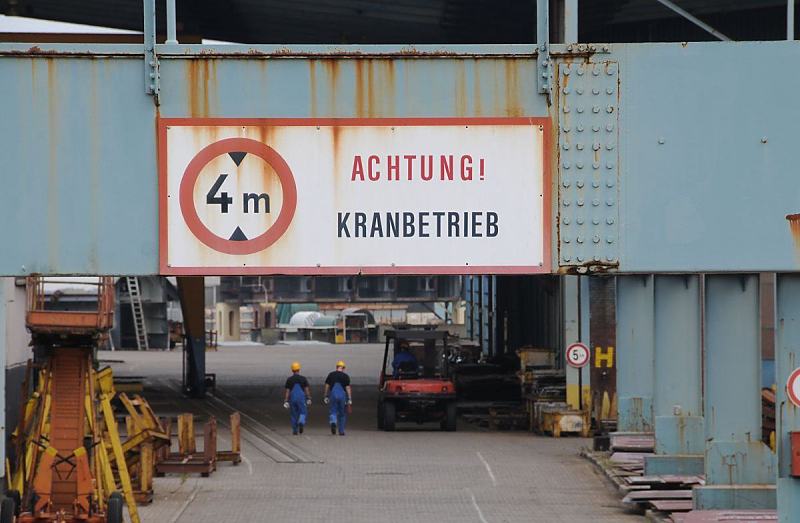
[297,398]
[338,397]
[403,360]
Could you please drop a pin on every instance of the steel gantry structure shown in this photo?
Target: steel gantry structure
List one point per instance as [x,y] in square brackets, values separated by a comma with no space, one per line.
[673,167]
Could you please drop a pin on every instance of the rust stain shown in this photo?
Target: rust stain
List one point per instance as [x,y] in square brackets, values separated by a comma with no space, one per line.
[461,89]
[388,90]
[476,90]
[371,89]
[53,222]
[513,106]
[312,86]
[94,168]
[200,74]
[335,143]
[794,228]
[332,70]
[496,99]
[212,86]
[360,102]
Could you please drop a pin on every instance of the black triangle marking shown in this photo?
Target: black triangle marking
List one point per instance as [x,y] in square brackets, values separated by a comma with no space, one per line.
[237,157]
[238,235]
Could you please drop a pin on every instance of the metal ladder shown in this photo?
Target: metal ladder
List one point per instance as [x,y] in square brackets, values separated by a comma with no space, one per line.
[138,313]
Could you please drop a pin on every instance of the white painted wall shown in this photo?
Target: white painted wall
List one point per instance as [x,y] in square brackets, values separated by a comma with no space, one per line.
[15,337]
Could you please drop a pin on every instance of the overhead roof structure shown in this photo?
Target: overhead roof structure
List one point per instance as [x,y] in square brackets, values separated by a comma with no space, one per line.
[418,21]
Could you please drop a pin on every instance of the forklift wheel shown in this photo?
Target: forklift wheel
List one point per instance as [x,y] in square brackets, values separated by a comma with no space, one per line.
[7,509]
[450,418]
[380,416]
[114,509]
[14,494]
[389,413]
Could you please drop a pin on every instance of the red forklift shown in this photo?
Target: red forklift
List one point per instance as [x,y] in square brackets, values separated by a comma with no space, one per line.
[414,384]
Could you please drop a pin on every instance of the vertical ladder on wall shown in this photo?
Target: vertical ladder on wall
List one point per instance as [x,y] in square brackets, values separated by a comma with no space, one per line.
[138,313]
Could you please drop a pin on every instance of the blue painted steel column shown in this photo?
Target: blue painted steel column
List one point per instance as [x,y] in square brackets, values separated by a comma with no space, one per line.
[677,398]
[192,295]
[635,353]
[740,469]
[584,297]
[575,293]
[787,359]
[6,290]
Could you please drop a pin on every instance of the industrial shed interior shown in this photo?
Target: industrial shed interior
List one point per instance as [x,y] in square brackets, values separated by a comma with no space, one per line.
[461,260]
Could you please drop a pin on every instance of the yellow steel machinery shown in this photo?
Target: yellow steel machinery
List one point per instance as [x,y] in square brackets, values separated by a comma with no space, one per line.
[70,465]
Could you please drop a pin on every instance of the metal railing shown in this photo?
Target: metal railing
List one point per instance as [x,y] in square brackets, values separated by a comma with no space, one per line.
[46,312]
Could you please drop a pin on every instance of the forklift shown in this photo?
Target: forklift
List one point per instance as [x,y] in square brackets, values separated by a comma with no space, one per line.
[414,385]
[63,471]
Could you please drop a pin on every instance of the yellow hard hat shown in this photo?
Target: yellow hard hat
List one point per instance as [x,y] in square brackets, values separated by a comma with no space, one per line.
[295,366]
[340,363]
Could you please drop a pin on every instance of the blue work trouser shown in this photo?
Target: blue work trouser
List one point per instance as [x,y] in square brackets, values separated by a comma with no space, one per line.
[338,407]
[297,407]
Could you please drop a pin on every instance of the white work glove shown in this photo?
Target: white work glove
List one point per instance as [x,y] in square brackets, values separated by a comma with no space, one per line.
[308,401]
[325,400]
[285,404]
[349,402]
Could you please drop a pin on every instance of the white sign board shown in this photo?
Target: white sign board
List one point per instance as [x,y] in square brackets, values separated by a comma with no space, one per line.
[347,196]
[793,387]
[577,355]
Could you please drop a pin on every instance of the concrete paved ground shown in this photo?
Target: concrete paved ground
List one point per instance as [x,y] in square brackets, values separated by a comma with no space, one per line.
[416,474]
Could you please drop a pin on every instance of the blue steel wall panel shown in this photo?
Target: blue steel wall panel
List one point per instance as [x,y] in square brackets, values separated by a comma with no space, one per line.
[349,87]
[81,196]
[706,153]
[79,184]
[709,156]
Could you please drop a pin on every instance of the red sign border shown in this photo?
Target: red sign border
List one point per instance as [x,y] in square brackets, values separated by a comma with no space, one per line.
[795,375]
[588,355]
[266,153]
[166,269]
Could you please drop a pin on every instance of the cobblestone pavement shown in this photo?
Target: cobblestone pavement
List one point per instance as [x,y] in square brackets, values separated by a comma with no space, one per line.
[415,474]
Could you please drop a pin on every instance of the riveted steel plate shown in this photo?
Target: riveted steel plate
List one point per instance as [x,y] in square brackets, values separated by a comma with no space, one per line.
[588,158]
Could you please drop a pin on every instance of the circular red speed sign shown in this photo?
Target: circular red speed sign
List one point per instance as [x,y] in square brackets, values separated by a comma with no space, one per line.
[577,355]
[203,233]
[793,387]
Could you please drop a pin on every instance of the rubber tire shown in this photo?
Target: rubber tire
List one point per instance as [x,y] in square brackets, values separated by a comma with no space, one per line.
[389,416]
[7,509]
[114,508]
[14,494]
[450,417]
[380,415]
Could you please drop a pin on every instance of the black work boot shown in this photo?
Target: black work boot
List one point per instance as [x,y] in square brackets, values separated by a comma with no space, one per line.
[300,428]
[333,428]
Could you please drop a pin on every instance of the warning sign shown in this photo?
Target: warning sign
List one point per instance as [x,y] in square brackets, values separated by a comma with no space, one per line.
[793,387]
[577,355]
[343,196]
[268,172]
